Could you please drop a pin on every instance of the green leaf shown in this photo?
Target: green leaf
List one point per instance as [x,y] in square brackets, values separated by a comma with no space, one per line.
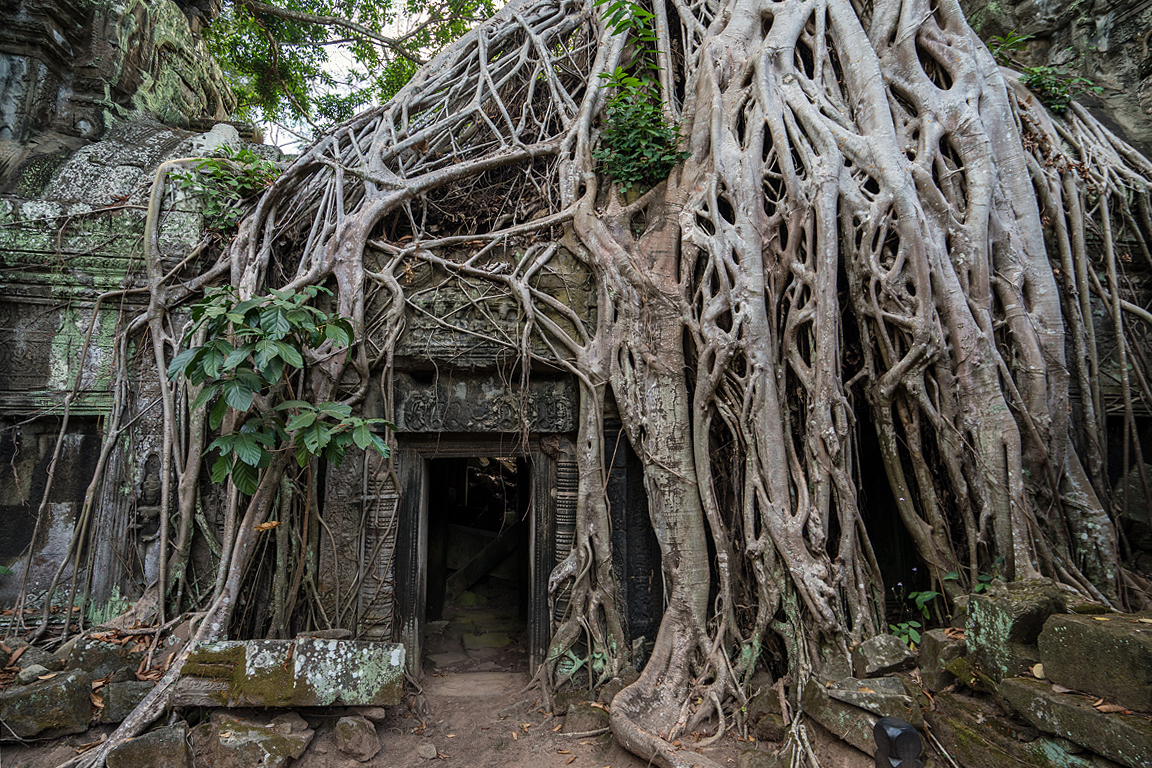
[316,436]
[362,436]
[247,449]
[300,421]
[335,410]
[206,394]
[221,469]
[237,356]
[274,322]
[293,404]
[216,415]
[339,332]
[289,354]
[246,478]
[223,444]
[181,362]
[238,395]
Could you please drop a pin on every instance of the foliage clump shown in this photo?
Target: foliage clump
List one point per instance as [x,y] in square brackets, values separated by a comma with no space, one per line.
[252,364]
[1055,86]
[228,186]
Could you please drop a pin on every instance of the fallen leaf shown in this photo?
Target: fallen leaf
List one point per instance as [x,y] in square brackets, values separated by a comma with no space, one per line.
[570,760]
[514,736]
[450,736]
[865,689]
[1038,671]
[1057,688]
[20,650]
[563,751]
[1110,708]
[1098,702]
[96,699]
[557,727]
[1146,621]
[1101,618]
[267,526]
[48,676]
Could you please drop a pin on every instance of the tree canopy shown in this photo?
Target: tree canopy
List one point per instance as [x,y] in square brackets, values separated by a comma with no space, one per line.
[318,62]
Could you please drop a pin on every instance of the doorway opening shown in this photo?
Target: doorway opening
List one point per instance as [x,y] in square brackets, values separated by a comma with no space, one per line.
[478,564]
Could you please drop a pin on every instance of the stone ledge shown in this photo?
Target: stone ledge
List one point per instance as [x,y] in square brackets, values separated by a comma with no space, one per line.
[1126,739]
[306,672]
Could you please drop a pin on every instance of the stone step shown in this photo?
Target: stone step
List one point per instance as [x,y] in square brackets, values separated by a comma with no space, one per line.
[1108,656]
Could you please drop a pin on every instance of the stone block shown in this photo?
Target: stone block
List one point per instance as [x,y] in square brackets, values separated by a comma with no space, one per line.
[356,737]
[889,700]
[1107,656]
[162,748]
[1004,623]
[584,717]
[305,672]
[1127,739]
[235,742]
[846,722]
[758,758]
[121,698]
[32,656]
[100,658]
[882,655]
[53,707]
[937,651]
[30,674]
[765,718]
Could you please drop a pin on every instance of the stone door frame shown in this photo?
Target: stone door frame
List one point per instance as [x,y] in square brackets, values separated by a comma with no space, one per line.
[413,457]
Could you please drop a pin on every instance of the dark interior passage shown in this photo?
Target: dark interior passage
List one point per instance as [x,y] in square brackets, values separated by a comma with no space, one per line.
[478,563]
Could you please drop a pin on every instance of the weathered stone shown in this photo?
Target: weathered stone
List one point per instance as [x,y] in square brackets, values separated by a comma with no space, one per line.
[356,737]
[1126,739]
[480,403]
[289,722]
[566,698]
[375,714]
[235,742]
[765,719]
[162,748]
[865,694]
[52,707]
[38,657]
[882,655]
[849,723]
[1108,656]
[292,673]
[30,674]
[121,698]
[758,758]
[1004,622]
[100,658]
[584,717]
[976,734]
[426,750]
[937,651]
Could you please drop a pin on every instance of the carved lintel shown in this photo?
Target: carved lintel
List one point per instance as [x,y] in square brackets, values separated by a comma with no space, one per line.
[478,403]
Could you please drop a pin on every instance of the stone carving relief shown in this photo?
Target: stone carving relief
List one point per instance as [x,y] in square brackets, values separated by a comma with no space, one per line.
[484,404]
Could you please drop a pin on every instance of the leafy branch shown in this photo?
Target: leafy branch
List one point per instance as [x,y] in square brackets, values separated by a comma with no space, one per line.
[229,185]
[637,145]
[254,351]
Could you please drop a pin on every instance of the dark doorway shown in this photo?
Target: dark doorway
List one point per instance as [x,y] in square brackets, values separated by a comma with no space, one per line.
[478,567]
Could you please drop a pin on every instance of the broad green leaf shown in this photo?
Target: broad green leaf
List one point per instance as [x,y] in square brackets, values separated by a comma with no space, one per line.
[247,449]
[223,444]
[221,469]
[237,356]
[335,410]
[362,436]
[274,322]
[300,421]
[238,395]
[316,436]
[216,415]
[180,362]
[246,478]
[206,394]
[289,354]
